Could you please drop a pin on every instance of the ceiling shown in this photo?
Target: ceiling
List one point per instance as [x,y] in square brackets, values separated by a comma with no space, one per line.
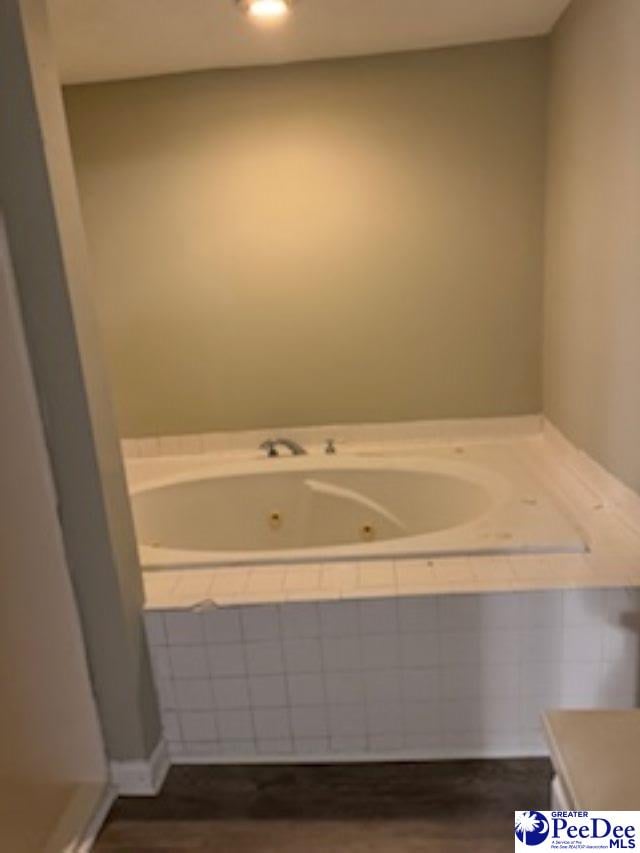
[116,39]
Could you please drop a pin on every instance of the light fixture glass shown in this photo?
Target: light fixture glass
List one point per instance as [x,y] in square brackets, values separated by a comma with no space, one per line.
[266,9]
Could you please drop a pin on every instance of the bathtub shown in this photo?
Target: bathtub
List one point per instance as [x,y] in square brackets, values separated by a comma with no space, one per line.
[320,508]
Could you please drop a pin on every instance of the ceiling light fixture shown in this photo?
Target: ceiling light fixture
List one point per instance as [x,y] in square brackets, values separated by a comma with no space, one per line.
[265,9]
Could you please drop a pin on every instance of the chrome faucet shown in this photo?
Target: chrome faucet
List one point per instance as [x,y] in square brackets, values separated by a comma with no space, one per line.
[271,446]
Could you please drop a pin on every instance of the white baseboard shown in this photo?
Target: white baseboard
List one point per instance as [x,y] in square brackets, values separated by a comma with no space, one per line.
[82,819]
[141,778]
[85,815]
[559,798]
[93,827]
[406,756]
[87,810]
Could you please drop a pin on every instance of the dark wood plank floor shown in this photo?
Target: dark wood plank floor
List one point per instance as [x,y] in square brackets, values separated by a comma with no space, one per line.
[436,807]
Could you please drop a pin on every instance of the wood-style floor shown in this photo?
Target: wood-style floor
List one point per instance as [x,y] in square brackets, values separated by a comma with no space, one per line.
[438,807]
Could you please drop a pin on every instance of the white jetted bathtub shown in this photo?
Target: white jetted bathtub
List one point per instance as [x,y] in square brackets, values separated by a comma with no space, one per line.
[318,508]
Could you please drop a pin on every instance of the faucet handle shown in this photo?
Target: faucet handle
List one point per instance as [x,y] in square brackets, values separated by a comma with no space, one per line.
[330,446]
[270,446]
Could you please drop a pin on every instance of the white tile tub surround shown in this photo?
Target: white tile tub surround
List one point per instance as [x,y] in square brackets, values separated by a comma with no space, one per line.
[439,676]
[607,512]
[417,658]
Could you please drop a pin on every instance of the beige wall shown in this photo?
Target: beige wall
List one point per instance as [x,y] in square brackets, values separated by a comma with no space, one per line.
[592,298]
[50,742]
[39,201]
[340,241]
